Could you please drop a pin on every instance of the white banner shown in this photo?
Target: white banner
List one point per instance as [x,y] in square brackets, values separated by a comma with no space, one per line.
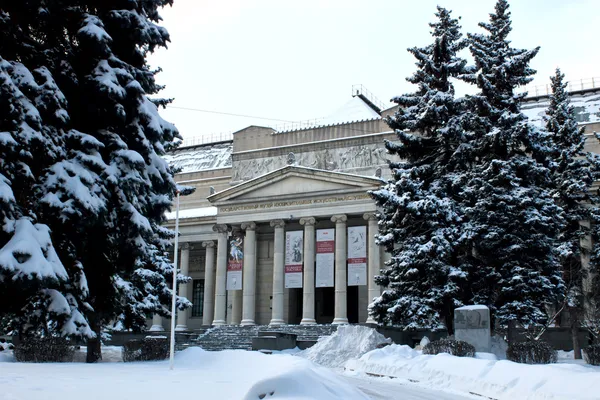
[357,256]
[325,257]
[294,246]
[235,263]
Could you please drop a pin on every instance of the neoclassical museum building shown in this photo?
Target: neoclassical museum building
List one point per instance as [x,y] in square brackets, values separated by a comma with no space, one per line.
[280,229]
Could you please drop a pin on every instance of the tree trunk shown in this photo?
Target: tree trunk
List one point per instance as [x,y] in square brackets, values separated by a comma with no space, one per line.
[511,332]
[574,314]
[94,346]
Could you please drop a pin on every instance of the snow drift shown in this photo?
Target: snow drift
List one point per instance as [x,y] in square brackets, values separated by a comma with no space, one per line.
[348,342]
[485,377]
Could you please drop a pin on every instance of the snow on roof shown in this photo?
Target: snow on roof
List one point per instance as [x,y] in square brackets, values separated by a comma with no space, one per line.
[354,110]
[193,213]
[473,307]
[586,105]
[200,158]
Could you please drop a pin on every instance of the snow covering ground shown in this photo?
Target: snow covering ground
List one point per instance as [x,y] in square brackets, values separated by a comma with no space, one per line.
[391,372]
[484,375]
[224,375]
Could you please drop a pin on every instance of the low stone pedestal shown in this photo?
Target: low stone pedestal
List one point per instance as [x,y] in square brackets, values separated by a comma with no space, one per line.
[472,325]
[274,341]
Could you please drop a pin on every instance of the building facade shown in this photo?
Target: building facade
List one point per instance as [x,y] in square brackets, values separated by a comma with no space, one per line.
[280,229]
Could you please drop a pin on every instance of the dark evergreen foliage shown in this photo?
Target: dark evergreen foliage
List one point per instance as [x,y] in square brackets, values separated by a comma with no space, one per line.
[591,354]
[51,349]
[81,157]
[419,218]
[147,349]
[531,352]
[453,347]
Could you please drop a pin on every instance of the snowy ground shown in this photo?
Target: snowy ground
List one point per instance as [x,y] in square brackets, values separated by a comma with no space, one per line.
[484,375]
[352,360]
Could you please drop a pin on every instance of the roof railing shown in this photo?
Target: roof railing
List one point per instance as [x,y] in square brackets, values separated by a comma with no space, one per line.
[572,86]
[358,90]
[207,139]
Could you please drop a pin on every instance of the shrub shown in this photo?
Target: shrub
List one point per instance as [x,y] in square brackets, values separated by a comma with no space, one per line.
[454,347]
[531,352]
[53,349]
[150,348]
[591,354]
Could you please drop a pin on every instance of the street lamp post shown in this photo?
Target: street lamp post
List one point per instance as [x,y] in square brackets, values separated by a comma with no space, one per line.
[174,293]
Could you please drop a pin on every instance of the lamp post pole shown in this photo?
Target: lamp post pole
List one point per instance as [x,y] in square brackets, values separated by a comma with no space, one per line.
[174,295]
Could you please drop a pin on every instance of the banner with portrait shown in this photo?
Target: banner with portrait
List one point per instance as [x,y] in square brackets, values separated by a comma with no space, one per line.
[235,263]
[357,256]
[294,247]
[324,275]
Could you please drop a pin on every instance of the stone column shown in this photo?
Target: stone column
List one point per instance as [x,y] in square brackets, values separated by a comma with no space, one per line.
[341,275]
[308,300]
[278,272]
[249,282]
[209,283]
[236,295]
[220,288]
[374,258]
[157,325]
[182,316]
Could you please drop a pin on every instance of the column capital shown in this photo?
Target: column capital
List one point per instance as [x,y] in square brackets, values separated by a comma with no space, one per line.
[185,246]
[370,216]
[248,226]
[220,228]
[208,244]
[340,218]
[277,223]
[308,221]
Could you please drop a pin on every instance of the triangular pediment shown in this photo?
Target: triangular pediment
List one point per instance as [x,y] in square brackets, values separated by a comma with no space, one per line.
[295,181]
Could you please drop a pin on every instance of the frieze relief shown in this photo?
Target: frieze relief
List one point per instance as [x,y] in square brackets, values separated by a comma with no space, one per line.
[293,203]
[344,159]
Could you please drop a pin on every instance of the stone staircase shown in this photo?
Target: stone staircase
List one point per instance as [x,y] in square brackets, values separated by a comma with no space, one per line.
[235,337]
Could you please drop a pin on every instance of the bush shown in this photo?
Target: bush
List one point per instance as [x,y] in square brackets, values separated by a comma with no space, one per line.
[532,352]
[591,354]
[454,347]
[52,349]
[151,348]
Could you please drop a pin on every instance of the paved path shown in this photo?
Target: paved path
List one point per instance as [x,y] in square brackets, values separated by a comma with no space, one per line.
[392,389]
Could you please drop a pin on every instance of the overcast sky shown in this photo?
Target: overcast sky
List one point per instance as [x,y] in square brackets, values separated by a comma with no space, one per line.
[297,60]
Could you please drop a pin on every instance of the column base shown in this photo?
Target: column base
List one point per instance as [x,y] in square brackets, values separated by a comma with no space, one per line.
[277,322]
[308,321]
[218,322]
[340,321]
[156,328]
[247,322]
[371,321]
[181,328]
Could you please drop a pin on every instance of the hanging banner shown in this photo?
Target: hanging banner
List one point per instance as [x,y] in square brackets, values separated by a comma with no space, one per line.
[357,256]
[294,246]
[325,257]
[235,263]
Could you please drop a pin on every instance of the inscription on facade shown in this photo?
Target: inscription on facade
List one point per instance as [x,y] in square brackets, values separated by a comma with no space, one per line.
[291,203]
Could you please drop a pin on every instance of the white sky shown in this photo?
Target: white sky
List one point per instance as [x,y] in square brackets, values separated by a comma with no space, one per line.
[296,61]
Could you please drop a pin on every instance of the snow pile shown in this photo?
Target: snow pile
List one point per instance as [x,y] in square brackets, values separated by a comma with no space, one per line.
[483,376]
[346,343]
[230,374]
[201,158]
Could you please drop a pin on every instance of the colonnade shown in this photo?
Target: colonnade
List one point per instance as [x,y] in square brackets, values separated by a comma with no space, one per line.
[244,301]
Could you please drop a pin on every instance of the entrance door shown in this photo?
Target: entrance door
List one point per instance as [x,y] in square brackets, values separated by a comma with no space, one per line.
[352,304]
[324,305]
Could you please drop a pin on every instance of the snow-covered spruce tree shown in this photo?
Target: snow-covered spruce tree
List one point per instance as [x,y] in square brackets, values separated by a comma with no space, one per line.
[574,170]
[513,221]
[36,291]
[420,220]
[104,198]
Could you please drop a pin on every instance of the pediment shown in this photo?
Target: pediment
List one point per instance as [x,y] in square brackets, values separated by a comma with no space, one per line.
[295,181]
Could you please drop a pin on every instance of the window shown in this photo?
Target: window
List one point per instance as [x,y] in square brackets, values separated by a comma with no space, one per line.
[198,297]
